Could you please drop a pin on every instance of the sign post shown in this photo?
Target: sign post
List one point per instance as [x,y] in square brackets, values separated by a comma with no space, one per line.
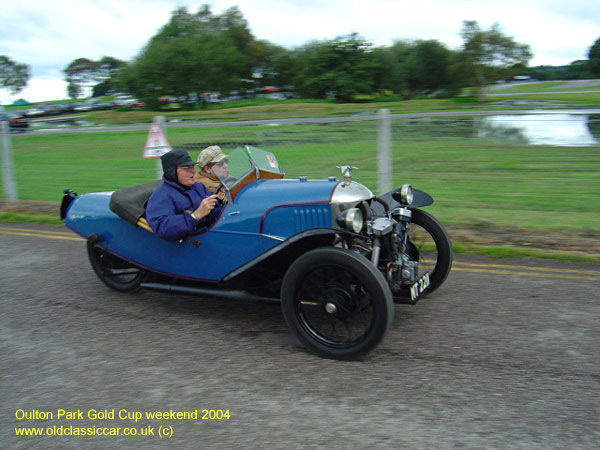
[10,187]
[384,152]
[156,143]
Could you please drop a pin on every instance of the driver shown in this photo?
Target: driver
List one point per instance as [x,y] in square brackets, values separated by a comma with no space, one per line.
[180,206]
[214,168]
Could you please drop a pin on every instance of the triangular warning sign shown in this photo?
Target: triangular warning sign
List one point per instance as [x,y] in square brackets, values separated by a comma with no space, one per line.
[156,144]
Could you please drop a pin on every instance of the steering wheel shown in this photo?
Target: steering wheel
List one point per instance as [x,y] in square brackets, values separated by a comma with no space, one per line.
[219,188]
[223,183]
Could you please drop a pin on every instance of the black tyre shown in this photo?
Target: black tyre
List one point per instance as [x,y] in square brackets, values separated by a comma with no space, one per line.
[336,303]
[115,272]
[431,247]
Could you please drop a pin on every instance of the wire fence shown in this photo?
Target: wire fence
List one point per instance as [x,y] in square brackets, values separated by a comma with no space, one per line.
[473,169]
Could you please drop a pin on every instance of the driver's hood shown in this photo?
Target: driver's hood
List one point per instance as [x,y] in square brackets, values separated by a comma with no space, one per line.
[277,206]
[275,191]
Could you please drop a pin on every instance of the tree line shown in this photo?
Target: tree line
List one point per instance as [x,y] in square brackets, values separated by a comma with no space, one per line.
[205,52]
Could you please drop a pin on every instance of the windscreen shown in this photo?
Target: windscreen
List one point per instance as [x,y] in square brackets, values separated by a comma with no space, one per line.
[243,161]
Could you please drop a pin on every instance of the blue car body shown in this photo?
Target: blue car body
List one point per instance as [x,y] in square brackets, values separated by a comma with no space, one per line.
[263,215]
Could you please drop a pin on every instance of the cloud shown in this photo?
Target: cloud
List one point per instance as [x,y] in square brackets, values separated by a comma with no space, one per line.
[38,90]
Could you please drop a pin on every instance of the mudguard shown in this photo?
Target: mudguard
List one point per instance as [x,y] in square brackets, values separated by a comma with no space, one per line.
[420,199]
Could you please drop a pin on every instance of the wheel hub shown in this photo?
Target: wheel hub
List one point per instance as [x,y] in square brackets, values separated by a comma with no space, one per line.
[331,308]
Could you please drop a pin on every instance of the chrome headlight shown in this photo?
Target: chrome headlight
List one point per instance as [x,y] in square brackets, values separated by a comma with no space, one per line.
[351,219]
[406,194]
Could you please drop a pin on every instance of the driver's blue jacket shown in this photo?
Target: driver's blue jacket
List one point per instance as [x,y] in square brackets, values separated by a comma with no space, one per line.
[169,207]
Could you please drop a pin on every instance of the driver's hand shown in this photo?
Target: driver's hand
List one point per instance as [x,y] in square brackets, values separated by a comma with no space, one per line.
[207,205]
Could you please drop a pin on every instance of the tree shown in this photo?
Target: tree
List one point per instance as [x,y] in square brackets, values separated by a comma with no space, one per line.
[193,53]
[13,75]
[412,68]
[80,73]
[107,69]
[594,58]
[386,72]
[343,67]
[73,90]
[276,64]
[391,69]
[489,53]
[427,67]
[84,73]
[579,70]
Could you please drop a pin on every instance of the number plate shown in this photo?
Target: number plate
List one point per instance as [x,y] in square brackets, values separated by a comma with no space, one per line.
[419,287]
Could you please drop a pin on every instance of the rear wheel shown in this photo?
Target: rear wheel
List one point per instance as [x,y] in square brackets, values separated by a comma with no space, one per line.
[336,303]
[115,272]
[431,247]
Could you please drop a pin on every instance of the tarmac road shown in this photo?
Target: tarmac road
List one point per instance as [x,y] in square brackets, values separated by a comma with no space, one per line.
[504,355]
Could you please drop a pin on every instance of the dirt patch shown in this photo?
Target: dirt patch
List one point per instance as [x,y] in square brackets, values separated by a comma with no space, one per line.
[31,207]
[484,234]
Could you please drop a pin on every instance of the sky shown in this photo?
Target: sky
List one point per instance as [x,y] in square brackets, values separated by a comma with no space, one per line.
[48,35]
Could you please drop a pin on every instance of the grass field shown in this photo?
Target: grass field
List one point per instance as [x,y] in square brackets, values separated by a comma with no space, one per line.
[479,183]
[472,179]
[543,86]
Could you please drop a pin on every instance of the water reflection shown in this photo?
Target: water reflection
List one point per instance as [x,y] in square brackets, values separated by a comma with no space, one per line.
[558,129]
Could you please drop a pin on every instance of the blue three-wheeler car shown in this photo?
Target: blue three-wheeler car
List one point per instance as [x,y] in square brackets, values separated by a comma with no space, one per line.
[336,256]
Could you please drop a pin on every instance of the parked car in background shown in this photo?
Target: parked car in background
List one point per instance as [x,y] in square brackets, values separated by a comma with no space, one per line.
[66,107]
[128,102]
[52,110]
[124,100]
[34,112]
[211,97]
[276,96]
[107,105]
[81,107]
[135,103]
[165,100]
[95,105]
[16,120]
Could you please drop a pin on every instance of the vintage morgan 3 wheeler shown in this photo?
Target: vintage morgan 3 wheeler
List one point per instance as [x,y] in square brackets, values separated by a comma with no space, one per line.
[336,256]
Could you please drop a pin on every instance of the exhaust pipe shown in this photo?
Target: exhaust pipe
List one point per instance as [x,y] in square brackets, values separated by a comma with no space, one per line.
[208,292]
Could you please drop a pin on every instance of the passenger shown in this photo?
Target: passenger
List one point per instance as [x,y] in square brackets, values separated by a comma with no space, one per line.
[214,168]
[180,206]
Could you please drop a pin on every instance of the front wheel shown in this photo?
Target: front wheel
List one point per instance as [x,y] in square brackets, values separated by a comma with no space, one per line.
[430,245]
[336,303]
[113,271]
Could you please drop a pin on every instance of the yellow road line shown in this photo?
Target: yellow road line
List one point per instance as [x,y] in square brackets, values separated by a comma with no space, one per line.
[501,269]
[48,236]
[33,230]
[541,269]
[527,274]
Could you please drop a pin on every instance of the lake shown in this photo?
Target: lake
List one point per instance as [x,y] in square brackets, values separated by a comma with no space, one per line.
[560,129]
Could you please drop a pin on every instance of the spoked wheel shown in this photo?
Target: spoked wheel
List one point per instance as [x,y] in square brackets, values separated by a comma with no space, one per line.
[114,271]
[336,303]
[431,247]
